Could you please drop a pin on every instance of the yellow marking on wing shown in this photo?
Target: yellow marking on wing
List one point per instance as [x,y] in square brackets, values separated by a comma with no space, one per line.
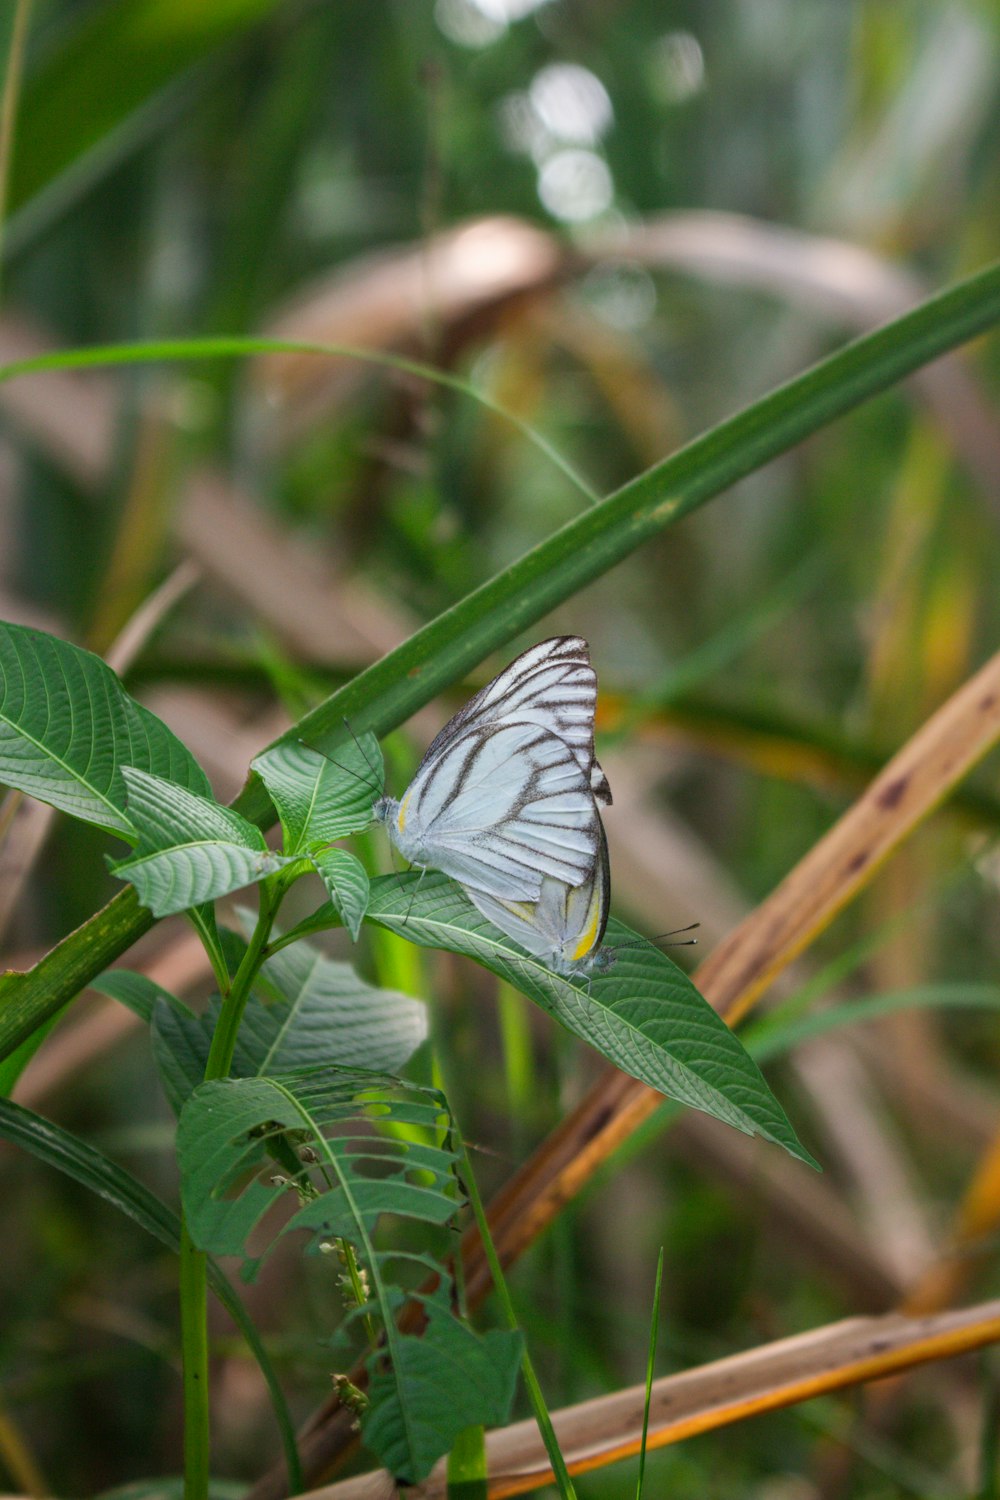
[402,810]
[588,938]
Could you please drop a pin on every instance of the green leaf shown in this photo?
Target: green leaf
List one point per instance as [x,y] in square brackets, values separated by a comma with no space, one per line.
[225,1129]
[307,1011]
[191,849]
[444,650]
[644,1015]
[317,799]
[440,1383]
[347,883]
[234,1131]
[86,1165]
[68,729]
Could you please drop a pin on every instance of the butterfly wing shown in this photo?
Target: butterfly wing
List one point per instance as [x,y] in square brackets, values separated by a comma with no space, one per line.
[552,685]
[499,808]
[566,925]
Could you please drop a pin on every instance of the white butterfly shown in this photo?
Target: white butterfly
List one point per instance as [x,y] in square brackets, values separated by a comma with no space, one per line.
[565,926]
[505,795]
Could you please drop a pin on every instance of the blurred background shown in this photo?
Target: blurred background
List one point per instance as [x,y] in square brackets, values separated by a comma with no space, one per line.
[619,222]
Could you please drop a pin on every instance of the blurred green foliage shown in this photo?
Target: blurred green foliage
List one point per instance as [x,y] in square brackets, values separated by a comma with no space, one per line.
[182,168]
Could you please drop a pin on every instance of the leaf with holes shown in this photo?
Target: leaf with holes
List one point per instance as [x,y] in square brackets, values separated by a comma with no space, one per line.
[234,1133]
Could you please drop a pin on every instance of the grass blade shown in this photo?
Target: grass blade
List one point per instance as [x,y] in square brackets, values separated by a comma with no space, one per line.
[654,1324]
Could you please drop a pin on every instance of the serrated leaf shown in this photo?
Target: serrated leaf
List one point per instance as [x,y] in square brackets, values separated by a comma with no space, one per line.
[452,1377]
[320,800]
[86,1165]
[307,1011]
[347,884]
[644,1015]
[191,849]
[68,728]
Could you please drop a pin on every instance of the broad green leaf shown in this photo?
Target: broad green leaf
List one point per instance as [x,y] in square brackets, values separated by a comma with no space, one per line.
[347,884]
[320,800]
[244,1142]
[644,1015]
[165,815]
[442,1382]
[86,1165]
[307,1011]
[68,729]
[328,1014]
[446,648]
[191,849]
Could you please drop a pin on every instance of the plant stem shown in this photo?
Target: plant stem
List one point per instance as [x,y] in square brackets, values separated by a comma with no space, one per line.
[194,1344]
[194,1262]
[220,1055]
[534,1390]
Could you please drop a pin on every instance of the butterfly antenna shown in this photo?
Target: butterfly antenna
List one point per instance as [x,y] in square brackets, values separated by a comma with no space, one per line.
[685,943]
[361,750]
[413,898]
[369,786]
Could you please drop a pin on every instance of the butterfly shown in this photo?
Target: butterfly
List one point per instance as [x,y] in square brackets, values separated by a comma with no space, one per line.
[507,792]
[565,926]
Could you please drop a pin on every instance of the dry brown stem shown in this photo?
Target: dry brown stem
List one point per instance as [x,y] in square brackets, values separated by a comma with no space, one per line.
[599,1432]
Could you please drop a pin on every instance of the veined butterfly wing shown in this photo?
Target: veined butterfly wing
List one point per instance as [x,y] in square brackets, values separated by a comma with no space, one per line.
[552,685]
[498,808]
[565,926]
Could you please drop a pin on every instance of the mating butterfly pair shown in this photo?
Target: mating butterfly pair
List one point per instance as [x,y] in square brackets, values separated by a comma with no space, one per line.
[505,801]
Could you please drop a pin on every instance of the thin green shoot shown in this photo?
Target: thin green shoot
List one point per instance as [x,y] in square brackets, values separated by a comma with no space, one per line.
[654,1326]
[538,1406]
[162,351]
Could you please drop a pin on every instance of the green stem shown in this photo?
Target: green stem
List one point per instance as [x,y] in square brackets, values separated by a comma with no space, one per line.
[194,1344]
[194,1262]
[534,1390]
[220,1055]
